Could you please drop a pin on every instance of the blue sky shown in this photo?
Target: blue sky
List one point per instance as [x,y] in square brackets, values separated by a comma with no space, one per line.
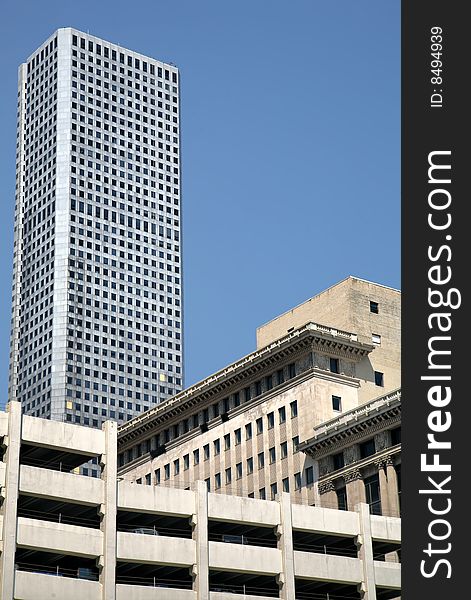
[291,149]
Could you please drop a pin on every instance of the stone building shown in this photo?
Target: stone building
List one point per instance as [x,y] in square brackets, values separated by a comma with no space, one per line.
[359,457]
[371,310]
[240,429]
[68,536]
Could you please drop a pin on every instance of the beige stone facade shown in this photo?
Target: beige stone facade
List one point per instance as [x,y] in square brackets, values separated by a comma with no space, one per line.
[67,536]
[371,310]
[239,430]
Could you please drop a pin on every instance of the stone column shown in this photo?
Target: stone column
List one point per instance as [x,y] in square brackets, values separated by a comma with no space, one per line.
[108,511]
[367,588]
[328,496]
[355,488]
[200,535]
[12,441]
[383,487]
[285,544]
[393,490]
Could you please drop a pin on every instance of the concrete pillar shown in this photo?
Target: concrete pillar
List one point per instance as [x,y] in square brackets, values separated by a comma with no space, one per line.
[108,510]
[285,544]
[200,535]
[393,490]
[355,488]
[367,587]
[12,441]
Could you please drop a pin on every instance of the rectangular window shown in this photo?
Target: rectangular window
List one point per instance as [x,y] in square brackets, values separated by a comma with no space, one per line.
[148,479]
[227,441]
[261,460]
[337,403]
[176,467]
[206,451]
[372,493]
[367,448]
[248,431]
[186,462]
[291,370]
[376,339]
[259,424]
[285,483]
[334,365]
[295,444]
[342,498]
[269,382]
[258,388]
[157,476]
[339,461]
[284,449]
[379,378]
[294,409]
[208,484]
[196,457]
[272,455]
[239,470]
[271,420]
[396,436]
[309,475]
[217,481]
[273,491]
[249,466]
[282,414]
[228,475]
[236,399]
[247,394]
[262,494]
[374,307]
[280,378]
[216,409]
[237,437]
[297,481]
[167,471]
[217,447]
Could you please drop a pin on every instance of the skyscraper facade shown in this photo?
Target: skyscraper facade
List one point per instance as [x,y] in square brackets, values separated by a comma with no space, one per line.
[96,330]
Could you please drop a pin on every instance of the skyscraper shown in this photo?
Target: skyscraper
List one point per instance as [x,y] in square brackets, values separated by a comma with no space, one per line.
[96,330]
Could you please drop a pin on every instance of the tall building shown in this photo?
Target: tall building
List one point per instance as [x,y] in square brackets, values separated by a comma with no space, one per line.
[96,328]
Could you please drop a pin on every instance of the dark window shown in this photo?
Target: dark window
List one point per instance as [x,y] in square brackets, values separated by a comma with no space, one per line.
[339,461]
[259,423]
[227,441]
[294,409]
[273,491]
[284,449]
[379,378]
[248,431]
[282,414]
[148,479]
[239,470]
[217,480]
[206,451]
[272,455]
[236,399]
[261,460]
[337,403]
[297,481]
[196,457]
[342,498]
[396,436]
[367,448]
[295,444]
[249,466]
[271,420]
[258,388]
[217,446]
[334,365]
[285,483]
[269,382]
[309,476]
[280,378]
[373,497]
[374,307]
[237,436]
[247,394]
[291,370]
[216,409]
[262,494]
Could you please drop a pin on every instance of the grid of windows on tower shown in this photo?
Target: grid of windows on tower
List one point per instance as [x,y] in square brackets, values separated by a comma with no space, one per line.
[122,313]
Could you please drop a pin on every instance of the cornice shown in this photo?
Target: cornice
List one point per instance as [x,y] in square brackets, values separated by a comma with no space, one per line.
[308,337]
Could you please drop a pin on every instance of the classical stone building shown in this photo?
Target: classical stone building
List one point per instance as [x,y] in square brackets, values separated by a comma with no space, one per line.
[359,457]
[371,310]
[67,536]
[240,429]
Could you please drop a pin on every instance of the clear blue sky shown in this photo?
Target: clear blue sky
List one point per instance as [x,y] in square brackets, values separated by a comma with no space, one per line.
[291,149]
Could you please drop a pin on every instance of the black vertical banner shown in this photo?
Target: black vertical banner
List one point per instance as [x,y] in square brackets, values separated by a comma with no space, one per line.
[436,259]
